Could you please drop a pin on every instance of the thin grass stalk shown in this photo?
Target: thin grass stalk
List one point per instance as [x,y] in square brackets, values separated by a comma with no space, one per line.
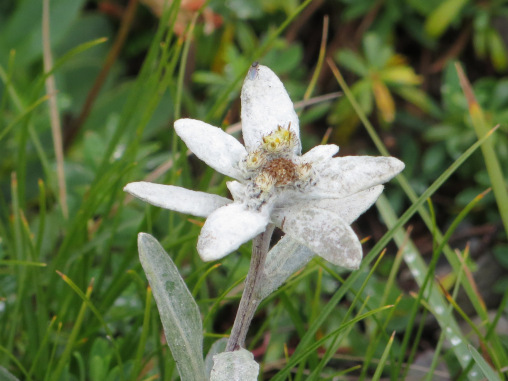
[42,218]
[71,341]
[143,337]
[316,299]
[202,278]
[293,313]
[86,299]
[125,25]
[52,356]
[475,329]
[215,306]
[389,284]
[19,104]
[35,294]
[320,60]
[414,347]
[488,150]
[183,65]
[379,370]
[128,116]
[442,336]
[23,114]
[42,350]
[16,316]
[7,80]
[56,128]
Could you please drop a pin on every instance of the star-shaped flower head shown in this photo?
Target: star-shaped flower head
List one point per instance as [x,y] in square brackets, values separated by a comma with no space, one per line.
[313,197]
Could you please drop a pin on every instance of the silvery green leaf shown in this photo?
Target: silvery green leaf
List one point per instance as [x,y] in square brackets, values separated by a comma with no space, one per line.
[234,366]
[282,261]
[178,311]
[5,375]
[217,347]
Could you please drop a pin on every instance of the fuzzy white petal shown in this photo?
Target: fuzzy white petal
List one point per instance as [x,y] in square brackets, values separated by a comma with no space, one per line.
[326,234]
[237,190]
[265,105]
[320,153]
[348,208]
[227,228]
[216,148]
[343,176]
[176,198]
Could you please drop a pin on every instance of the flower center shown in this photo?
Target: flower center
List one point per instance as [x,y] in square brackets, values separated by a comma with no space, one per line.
[282,170]
[274,167]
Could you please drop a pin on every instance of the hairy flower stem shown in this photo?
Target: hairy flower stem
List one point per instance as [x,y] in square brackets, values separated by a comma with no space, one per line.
[249,302]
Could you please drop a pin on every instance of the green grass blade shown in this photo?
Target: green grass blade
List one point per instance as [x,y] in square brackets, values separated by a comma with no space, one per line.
[382,362]
[69,347]
[144,336]
[494,170]
[486,369]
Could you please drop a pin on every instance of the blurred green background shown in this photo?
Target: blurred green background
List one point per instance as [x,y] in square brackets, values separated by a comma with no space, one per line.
[125,70]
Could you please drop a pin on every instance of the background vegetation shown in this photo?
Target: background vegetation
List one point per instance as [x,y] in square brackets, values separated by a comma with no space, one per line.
[89,93]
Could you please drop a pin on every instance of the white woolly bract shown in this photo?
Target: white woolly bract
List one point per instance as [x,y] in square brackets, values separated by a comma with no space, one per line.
[234,366]
[265,106]
[219,150]
[179,199]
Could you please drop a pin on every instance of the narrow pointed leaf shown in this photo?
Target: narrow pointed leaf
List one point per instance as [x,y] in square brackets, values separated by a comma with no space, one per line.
[178,311]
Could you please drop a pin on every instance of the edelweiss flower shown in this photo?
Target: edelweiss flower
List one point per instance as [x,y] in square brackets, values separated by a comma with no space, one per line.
[313,197]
